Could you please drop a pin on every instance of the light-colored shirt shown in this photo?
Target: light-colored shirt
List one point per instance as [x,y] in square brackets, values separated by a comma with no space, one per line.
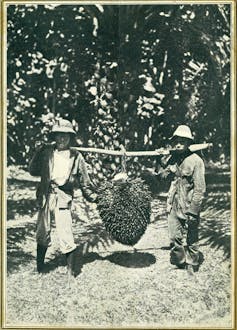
[61,166]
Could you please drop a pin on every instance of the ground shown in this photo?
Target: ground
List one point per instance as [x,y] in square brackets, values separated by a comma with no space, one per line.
[117,285]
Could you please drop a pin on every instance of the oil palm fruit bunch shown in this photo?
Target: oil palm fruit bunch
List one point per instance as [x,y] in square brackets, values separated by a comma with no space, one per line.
[124,207]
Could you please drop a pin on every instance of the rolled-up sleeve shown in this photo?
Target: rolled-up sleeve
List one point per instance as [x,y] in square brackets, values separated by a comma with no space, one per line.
[199,188]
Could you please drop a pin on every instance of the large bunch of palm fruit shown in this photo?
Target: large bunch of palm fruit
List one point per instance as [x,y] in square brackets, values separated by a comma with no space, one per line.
[123,204]
[124,207]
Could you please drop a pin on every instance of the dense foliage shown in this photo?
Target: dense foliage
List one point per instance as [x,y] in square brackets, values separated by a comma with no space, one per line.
[126,75]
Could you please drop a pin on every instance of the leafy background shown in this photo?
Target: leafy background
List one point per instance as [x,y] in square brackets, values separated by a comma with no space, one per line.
[124,74]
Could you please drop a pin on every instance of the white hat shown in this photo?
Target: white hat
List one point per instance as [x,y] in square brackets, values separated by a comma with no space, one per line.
[64,126]
[183,131]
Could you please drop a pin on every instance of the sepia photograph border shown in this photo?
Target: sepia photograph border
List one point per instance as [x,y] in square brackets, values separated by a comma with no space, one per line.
[3,155]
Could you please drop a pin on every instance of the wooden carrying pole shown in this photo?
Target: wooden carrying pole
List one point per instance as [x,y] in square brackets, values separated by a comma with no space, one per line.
[192,148]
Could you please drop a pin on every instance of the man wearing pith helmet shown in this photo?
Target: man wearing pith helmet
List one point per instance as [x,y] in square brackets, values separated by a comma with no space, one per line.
[61,170]
[184,200]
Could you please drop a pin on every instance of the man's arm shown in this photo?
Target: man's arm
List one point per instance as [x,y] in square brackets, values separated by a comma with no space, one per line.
[36,163]
[198,190]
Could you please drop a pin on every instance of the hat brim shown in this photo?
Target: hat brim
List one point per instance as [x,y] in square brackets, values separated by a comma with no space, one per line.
[183,136]
[63,130]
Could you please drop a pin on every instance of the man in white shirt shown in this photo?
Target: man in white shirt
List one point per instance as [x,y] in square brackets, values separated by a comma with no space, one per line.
[61,170]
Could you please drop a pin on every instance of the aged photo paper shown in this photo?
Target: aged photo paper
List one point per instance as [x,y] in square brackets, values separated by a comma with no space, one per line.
[118,167]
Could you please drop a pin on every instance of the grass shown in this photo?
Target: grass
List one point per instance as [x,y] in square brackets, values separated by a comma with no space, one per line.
[116,285]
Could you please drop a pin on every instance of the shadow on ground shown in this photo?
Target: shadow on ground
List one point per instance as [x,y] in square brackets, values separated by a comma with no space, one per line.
[217,235]
[21,183]
[16,241]
[21,207]
[132,259]
[125,259]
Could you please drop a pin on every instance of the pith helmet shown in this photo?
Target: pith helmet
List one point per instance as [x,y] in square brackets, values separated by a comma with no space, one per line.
[183,131]
[64,126]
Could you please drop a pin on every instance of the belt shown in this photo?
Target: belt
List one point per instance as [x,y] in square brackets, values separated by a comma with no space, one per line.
[65,188]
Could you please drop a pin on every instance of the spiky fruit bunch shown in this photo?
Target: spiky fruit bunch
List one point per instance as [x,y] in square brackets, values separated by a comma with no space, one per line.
[124,207]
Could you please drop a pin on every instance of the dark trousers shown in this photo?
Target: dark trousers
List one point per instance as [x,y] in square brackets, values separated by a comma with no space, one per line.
[183,238]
